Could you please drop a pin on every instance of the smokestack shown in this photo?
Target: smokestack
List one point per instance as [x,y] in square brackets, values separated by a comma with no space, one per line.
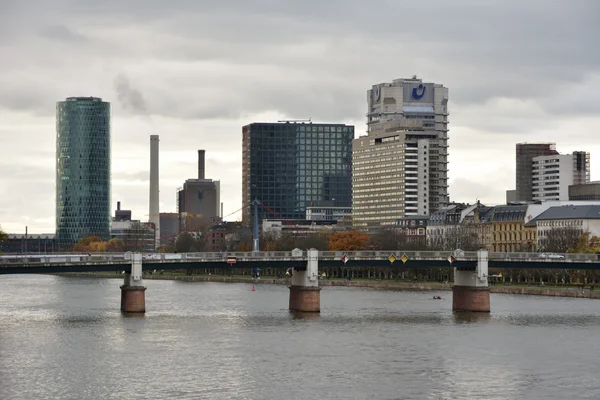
[118,206]
[200,164]
[154,213]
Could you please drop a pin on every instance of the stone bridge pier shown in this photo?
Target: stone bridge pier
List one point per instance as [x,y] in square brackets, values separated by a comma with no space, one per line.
[471,291]
[133,291]
[305,293]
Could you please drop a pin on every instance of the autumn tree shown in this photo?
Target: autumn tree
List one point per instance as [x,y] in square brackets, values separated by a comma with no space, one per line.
[586,243]
[114,245]
[350,240]
[87,244]
[559,240]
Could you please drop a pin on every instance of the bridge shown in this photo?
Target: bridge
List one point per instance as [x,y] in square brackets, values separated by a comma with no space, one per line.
[470,290]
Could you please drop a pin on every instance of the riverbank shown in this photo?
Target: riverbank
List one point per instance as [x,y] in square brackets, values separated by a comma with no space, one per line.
[376,285]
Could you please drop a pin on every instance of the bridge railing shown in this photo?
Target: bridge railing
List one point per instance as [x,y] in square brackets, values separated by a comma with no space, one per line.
[383,254]
[544,256]
[331,255]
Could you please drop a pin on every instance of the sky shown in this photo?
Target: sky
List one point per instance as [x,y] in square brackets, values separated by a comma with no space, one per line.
[195,71]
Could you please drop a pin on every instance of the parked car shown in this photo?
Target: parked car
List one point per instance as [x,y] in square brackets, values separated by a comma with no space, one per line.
[552,255]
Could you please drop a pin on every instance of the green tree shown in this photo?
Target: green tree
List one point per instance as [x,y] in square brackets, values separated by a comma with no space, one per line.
[3,236]
[184,242]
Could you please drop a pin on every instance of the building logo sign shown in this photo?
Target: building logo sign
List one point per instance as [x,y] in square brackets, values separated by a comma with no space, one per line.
[418,92]
[376,93]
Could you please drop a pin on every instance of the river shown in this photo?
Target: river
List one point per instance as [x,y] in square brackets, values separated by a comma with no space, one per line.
[65,338]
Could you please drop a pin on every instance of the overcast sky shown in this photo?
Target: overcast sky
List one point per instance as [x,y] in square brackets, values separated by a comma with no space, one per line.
[195,71]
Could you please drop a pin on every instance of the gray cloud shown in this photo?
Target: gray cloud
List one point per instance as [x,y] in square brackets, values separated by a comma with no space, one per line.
[61,33]
[517,71]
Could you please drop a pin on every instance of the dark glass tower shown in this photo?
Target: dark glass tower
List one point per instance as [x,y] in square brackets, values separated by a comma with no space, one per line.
[82,169]
[291,166]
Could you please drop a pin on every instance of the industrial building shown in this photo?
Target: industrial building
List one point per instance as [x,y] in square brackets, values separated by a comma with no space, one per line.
[200,197]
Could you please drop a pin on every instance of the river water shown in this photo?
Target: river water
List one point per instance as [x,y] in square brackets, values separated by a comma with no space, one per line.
[65,338]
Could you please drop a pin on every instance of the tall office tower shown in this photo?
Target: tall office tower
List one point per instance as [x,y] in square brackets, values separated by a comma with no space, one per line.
[82,169]
[552,175]
[200,198]
[400,168]
[154,212]
[290,166]
[525,154]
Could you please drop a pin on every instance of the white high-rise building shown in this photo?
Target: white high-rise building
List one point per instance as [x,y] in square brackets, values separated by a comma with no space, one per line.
[400,167]
[552,175]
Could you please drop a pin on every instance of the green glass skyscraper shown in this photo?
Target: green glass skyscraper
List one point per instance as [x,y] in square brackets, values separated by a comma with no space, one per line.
[82,169]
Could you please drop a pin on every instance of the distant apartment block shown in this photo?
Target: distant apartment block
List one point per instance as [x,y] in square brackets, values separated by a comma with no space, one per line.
[400,168]
[525,153]
[552,175]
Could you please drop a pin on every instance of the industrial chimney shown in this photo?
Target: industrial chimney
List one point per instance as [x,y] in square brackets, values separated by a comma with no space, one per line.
[200,164]
[154,214]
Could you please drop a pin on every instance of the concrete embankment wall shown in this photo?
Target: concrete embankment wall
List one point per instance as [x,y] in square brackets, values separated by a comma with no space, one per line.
[584,294]
[380,285]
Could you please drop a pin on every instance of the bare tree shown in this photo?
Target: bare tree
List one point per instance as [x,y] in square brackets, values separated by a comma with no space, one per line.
[462,237]
[559,240]
[319,241]
[139,237]
[388,239]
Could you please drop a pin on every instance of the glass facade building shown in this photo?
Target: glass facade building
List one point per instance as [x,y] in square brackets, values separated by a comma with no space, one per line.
[291,166]
[82,169]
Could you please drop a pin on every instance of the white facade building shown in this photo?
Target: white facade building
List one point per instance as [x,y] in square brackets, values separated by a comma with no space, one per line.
[400,168]
[584,218]
[552,175]
[328,213]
